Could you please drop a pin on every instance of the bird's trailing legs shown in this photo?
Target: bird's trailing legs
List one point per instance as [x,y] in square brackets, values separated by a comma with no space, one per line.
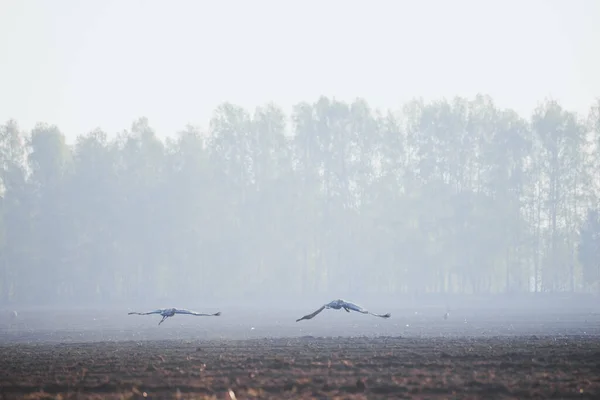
[163,318]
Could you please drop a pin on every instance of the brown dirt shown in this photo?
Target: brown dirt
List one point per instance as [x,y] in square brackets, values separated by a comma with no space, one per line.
[265,354]
[389,367]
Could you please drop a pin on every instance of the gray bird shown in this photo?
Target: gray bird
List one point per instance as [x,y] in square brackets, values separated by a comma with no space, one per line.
[339,304]
[169,312]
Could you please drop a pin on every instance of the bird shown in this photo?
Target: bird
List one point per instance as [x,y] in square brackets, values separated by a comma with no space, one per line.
[447,314]
[170,312]
[346,305]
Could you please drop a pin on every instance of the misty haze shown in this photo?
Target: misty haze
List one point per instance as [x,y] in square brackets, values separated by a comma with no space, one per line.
[145,165]
[447,197]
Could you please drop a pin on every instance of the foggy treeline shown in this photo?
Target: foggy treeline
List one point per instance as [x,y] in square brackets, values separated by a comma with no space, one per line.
[454,196]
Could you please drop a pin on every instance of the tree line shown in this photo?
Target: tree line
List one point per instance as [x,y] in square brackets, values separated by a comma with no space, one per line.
[449,196]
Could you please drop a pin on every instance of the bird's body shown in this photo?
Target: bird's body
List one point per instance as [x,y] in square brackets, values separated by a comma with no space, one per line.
[346,305]
[170,312]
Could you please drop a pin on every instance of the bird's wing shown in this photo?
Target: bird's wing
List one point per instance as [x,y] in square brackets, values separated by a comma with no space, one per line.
[359,309]
[190,312]
[387,315]
[146,313]
[309,316]
[354,307]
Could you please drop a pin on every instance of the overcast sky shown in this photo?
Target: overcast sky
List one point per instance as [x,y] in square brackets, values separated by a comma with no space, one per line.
[103,63]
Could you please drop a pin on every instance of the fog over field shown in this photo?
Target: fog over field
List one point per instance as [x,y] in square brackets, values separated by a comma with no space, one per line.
[262,160]
[433,163]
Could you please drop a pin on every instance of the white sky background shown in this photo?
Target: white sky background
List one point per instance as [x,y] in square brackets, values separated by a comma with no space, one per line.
[82,64]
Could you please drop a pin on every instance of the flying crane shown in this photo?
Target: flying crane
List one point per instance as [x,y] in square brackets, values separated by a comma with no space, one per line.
[169,312]
[346,305]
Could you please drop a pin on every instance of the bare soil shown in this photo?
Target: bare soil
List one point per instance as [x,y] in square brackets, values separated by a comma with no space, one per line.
[419,355]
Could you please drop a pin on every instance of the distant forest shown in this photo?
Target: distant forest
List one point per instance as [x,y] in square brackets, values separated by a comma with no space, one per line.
[451,196]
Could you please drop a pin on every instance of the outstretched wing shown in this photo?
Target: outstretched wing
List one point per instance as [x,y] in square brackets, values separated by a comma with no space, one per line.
[159,311]
[355,307]
[387,315]
[309,316]
[190,312]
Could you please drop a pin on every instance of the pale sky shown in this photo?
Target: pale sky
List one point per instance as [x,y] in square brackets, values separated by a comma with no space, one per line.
[82,64]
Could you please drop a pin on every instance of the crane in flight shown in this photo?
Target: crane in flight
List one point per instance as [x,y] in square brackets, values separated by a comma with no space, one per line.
[169,312]
[346,305]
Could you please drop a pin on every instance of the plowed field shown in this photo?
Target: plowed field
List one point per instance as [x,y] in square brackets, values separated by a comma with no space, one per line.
[417,355]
